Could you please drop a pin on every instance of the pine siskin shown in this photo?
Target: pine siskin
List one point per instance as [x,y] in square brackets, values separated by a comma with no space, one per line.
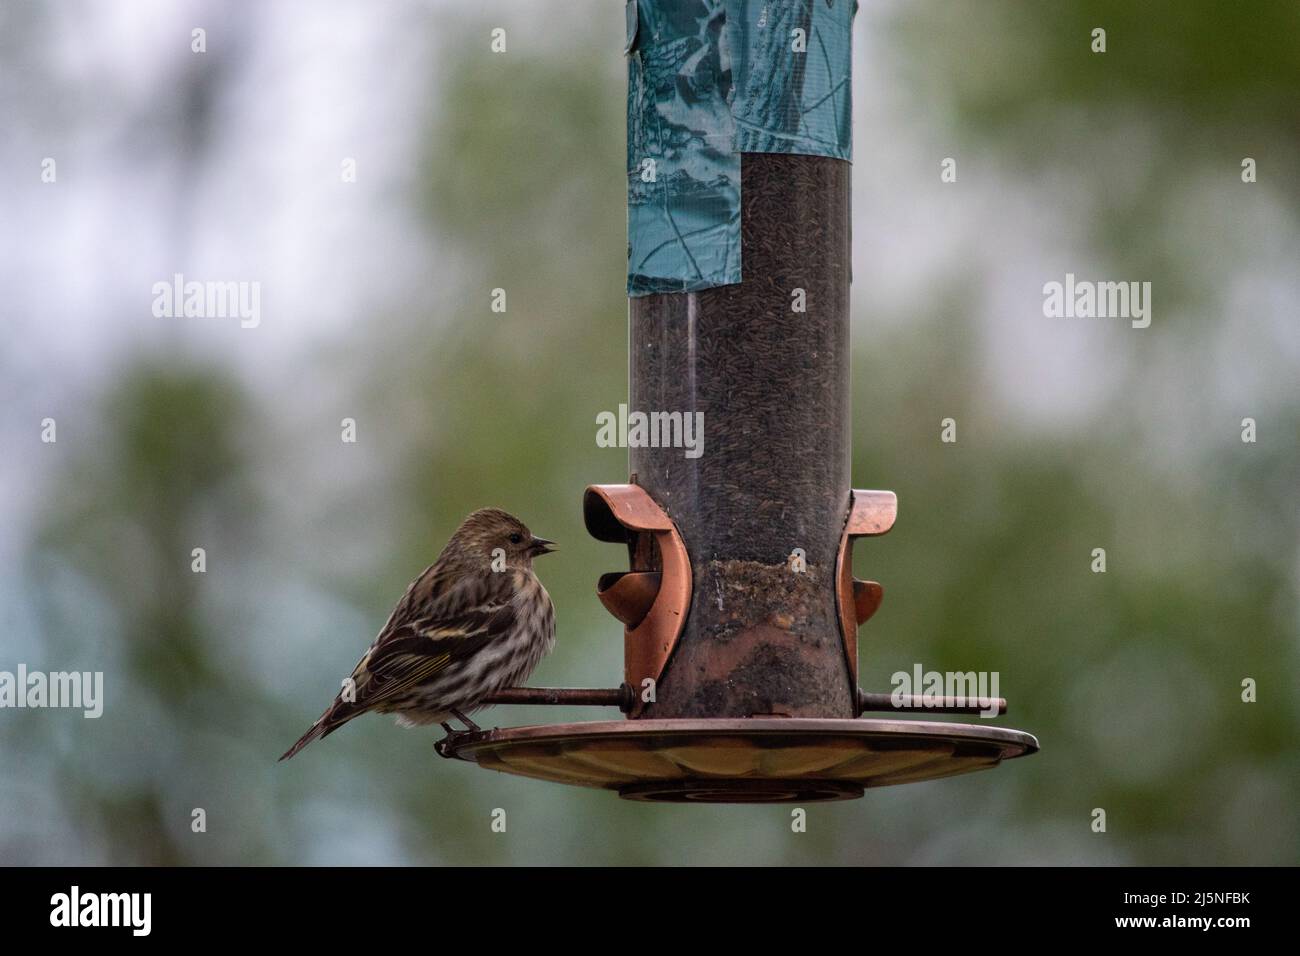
[476,621]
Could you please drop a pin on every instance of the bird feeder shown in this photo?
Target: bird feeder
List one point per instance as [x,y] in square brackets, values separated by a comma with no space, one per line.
[739,605]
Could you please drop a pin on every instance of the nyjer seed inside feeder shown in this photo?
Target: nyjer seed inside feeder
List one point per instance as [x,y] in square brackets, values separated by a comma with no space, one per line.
[739,605]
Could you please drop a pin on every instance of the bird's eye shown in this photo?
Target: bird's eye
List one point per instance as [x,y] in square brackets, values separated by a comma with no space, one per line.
[516,538]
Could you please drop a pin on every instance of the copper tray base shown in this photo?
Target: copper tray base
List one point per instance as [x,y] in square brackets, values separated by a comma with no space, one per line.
[760,760]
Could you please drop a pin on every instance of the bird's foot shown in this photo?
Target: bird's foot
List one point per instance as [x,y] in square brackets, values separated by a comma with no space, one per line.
[443,747]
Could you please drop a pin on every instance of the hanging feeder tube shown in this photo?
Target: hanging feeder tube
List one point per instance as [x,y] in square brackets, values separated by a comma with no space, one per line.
[739,605]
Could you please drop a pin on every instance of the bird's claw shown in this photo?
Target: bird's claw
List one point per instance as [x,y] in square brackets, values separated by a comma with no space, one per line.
[443,747]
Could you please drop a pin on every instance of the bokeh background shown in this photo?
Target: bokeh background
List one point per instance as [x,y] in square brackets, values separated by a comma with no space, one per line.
[477,171]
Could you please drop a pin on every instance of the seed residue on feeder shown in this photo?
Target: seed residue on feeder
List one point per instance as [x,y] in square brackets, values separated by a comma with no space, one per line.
[747,593]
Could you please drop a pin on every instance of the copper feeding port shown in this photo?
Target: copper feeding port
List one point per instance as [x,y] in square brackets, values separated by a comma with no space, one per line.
[653,598]
[871,513]
[629,595]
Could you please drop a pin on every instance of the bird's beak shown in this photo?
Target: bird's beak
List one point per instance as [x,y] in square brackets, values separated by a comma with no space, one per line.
[541,546]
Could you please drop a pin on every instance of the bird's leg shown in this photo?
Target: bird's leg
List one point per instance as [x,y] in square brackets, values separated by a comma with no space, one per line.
[465,720]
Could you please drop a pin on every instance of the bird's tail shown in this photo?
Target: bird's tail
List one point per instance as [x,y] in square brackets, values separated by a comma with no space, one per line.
[328,722]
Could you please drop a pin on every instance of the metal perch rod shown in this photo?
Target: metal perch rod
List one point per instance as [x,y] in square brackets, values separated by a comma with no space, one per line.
[940,705]
[621,697]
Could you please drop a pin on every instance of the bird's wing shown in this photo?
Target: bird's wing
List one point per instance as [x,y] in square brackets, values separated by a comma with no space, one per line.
[416,651]
[419,593]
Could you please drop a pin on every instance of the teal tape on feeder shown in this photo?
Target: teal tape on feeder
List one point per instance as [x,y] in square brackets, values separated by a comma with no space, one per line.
[791,64]
[708,80]
[683,193]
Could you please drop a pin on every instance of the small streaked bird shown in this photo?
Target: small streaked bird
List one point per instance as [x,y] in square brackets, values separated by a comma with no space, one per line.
[476,621]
